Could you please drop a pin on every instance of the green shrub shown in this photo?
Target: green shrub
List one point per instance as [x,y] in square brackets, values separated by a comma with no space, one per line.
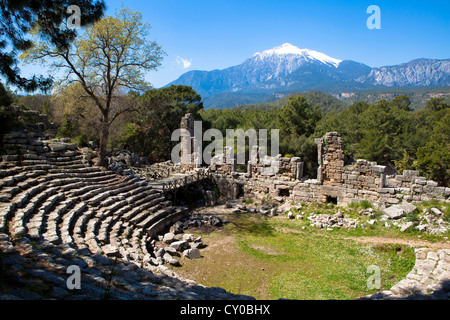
[81,141]
[365,204]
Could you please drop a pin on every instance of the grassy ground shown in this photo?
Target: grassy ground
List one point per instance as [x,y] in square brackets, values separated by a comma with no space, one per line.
[272,258]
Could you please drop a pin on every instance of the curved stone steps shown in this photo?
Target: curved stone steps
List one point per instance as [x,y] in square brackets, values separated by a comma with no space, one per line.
[68,222]
[91,199]
[25,192]
[79,229]
[13,190]
[150,195]
[97,227]
[94,189]
[6,212]
[110,217]
[159,225]
[10,180]
[138,194]
[137,214]
[114,190]
[106,221]
[26,204]
[154,217]
[36,223]
[75,160]
[101,178]
[90,238]
[115,232]
[8,170]
[51,231]
[62,201]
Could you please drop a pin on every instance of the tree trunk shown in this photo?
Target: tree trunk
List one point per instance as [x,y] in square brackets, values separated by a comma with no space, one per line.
[103,145]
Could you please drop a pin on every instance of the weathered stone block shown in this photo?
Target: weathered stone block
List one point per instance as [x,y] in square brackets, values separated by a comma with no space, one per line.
[432,183]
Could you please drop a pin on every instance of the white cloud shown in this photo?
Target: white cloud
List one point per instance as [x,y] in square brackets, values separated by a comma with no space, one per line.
[184,62]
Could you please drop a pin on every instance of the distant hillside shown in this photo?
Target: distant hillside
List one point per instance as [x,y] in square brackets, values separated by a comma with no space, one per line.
[340,101]
[324,101]
[418,96]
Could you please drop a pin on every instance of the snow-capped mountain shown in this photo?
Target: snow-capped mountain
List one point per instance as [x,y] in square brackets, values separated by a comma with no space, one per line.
[294,52]
[288,68]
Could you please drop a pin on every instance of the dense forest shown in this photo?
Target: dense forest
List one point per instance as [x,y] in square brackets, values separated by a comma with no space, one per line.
[388,132]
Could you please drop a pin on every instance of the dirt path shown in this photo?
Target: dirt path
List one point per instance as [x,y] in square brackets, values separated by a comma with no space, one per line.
[409,242]
[384,240]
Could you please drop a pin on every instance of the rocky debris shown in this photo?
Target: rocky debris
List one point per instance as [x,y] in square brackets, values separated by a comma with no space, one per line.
[188,237]
[176,228]
[198,220]
[432,222]
[193,253]
[180,243]
[118,157]
[436,211]
[426,221]
[32,120]
[328,221]
[262,209]
[394,212]
[170,260]
[406,226]
[122,162]
[61,144]
[370,212]
[168,237]
[398,211]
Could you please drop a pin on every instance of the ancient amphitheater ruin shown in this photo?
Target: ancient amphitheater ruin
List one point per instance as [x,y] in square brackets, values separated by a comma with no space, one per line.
[58,210]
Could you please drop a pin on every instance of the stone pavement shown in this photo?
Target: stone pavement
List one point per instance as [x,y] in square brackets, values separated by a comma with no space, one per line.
[429,279]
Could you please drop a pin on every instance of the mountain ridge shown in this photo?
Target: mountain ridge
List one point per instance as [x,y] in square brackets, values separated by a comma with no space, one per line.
[289,69]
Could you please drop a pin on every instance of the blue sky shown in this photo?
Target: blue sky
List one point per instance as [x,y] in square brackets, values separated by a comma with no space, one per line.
[215,34]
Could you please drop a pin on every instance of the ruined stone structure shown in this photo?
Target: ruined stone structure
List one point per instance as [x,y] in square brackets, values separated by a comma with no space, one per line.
[335,182]
[190,157]
[31,120]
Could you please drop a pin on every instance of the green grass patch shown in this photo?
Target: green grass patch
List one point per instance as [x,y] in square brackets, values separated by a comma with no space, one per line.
[275,258]
[317,267]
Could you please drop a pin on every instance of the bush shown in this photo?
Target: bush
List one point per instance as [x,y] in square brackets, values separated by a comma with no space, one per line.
[81,141]
[363,204]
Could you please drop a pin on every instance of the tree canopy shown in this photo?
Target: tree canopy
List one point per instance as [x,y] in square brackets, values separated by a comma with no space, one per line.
[111,55]
[19,17]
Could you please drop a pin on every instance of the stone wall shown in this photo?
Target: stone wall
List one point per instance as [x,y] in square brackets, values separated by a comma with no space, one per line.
[34,148]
